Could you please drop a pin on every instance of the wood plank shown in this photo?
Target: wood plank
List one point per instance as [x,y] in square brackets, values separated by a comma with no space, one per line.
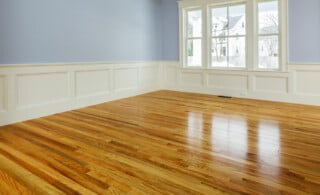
[8,185]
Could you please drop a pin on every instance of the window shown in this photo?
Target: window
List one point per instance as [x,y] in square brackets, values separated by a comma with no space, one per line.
[228,36]
[242,34]
[268,35]
[194,38]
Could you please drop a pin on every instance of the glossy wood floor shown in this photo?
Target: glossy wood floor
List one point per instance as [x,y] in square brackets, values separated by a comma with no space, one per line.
[166,143]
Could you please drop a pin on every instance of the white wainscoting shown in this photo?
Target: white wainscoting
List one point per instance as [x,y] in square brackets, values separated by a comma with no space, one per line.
[32,91]
[299,85]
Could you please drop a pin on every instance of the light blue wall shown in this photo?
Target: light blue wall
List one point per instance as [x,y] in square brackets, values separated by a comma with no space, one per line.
[170,23]
[304,31]
[49,31]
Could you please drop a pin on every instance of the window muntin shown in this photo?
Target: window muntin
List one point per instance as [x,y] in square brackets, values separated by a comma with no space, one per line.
[193,43]
[228,36]
[268,35]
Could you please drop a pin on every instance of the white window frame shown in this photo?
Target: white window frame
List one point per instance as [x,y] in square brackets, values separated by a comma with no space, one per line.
[252,34]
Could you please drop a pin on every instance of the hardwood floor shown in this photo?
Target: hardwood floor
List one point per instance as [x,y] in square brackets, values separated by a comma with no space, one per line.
[166,143]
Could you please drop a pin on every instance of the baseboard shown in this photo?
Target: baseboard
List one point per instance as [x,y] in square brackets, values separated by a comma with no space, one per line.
[32,91]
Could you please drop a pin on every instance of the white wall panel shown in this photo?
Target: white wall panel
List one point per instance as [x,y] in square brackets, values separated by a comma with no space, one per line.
[93,82]
[228,81]
[149,76]
[307,82]
[271,84]
[125,79]
[170,75]
[37,89]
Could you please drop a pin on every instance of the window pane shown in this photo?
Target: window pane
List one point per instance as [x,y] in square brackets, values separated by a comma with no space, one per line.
[237,52]
[194,21]
[268,17]
[237,20]
[269,52]
[219,21]
[194,52]
[219,52]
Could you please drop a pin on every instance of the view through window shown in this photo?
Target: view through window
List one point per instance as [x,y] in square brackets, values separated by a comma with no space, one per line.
[194,38]
[228,36]
[268,35]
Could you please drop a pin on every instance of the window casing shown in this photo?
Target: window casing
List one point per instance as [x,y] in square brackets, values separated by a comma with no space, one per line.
[245,42]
